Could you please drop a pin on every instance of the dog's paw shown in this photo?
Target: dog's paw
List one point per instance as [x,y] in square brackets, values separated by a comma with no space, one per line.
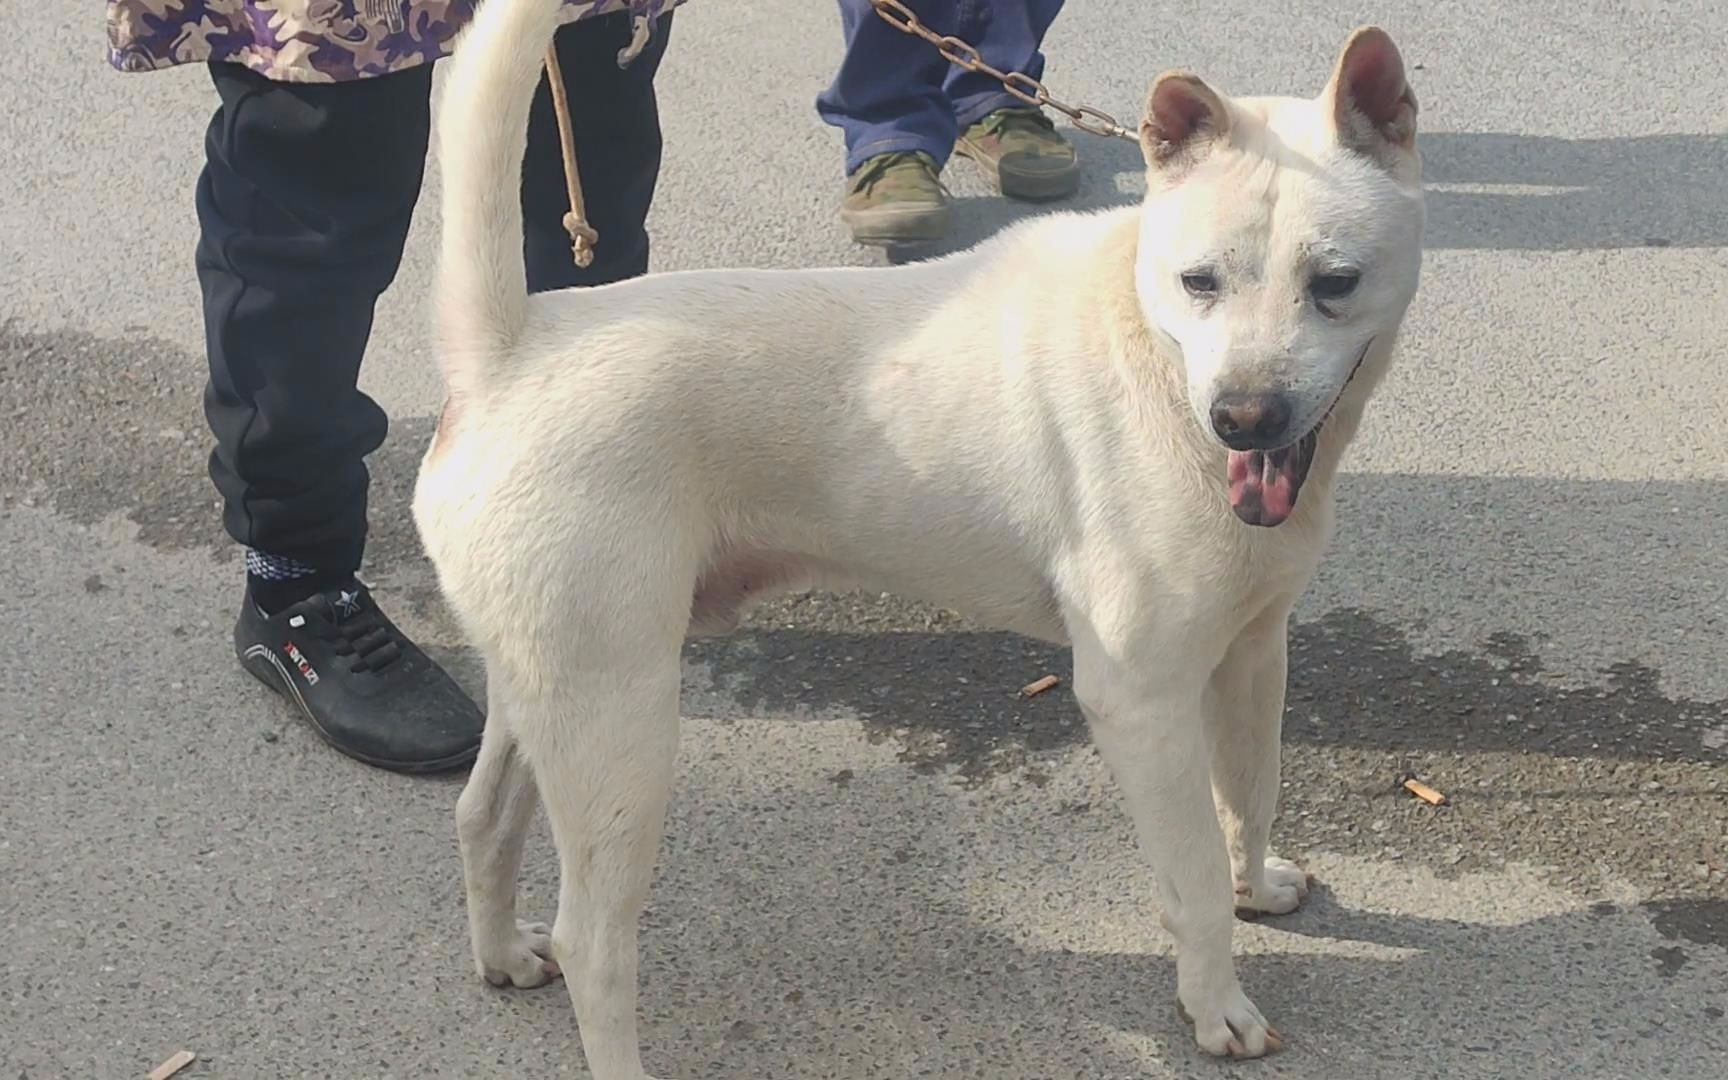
[523,960]
[1232,1027]
[1283,887]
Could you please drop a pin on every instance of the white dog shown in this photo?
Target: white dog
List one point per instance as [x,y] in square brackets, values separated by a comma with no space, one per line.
[1103,465]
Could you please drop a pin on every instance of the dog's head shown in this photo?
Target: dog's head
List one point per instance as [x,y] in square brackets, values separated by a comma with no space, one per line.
[1280,246]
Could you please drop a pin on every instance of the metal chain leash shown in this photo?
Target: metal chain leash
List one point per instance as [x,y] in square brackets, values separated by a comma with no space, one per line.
[1019,84]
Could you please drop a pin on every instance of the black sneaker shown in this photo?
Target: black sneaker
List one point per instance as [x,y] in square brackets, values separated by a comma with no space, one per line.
[368,691]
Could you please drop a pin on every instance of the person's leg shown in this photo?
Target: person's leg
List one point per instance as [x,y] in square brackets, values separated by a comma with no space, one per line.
[1014,143]
[898,125]
[1009,35]
[303,207]
[887,94]
[615,118]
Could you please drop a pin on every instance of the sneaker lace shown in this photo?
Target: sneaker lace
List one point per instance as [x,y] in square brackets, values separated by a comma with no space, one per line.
[877,168]
[1005,122]
[356,630]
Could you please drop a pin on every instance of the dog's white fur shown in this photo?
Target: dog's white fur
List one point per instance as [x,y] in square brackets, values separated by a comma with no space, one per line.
[1018,432]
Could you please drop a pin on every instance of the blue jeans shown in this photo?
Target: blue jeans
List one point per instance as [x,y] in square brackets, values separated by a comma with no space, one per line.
[895,91]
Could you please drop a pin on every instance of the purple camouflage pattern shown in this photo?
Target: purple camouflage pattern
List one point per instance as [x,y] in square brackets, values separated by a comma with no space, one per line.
[307,40]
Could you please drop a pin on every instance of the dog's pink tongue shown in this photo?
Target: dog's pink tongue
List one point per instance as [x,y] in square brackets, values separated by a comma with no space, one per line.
[1263,486]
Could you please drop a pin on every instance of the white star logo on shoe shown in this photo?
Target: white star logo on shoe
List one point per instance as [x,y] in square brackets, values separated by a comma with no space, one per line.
[347,602]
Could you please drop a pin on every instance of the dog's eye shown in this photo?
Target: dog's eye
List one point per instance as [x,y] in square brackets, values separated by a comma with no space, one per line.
[1335,286]
[1200,283]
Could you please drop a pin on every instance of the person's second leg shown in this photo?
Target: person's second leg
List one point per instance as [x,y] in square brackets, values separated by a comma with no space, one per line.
[303,207]
[899,128]
[1015,144]
[615,118]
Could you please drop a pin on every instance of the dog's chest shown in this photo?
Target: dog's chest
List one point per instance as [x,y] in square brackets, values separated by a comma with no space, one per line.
[1277,562]
[1231,568]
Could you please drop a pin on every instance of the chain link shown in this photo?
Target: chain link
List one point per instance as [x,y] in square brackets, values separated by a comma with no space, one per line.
[1019,84]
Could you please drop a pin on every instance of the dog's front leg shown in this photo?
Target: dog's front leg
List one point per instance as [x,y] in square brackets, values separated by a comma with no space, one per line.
[1244,713]
[1151,733]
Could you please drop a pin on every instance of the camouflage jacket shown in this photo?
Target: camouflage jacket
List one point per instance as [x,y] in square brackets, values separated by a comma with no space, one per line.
[306,40]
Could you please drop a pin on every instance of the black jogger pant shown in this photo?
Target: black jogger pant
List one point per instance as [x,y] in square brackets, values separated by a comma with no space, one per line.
[303,209]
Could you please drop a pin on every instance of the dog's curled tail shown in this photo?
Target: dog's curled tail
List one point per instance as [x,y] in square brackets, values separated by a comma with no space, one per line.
[480,293]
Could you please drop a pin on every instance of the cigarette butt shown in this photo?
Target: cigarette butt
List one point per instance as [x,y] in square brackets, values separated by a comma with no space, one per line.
[1033,689]
[1424,792]
[173,1065]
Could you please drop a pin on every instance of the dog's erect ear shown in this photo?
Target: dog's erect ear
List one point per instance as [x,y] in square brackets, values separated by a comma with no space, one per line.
[1183,117]
[1372,106]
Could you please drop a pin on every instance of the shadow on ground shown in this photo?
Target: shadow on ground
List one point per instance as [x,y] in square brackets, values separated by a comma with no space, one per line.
[1486,191]
[1576,194]
[1598,782]
[925,984]
[952,696]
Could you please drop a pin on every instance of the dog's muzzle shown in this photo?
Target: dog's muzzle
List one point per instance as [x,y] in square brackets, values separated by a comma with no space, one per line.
[1265,471]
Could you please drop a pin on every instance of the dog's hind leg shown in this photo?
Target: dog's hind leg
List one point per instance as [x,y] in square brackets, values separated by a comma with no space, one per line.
[603,747]
[1244,714]
[492,819]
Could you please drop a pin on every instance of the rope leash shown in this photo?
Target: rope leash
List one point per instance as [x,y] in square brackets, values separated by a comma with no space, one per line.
[583,237]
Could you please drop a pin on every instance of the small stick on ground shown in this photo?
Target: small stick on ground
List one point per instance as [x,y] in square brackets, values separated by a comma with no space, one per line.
[1424,792]
[1033,689]
[173,1065]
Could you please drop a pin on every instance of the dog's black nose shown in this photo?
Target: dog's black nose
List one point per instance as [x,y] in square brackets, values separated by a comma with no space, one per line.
[1251,421]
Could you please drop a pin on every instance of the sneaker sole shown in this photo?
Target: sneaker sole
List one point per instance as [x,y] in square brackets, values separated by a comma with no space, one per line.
[1032,187]
[262,666]
[885,228]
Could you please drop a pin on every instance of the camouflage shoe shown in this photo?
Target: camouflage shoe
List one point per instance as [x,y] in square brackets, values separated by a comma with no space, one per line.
[1021,153]
[895,198]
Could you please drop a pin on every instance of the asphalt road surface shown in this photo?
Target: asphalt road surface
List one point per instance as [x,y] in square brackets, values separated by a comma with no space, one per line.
[881,863]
